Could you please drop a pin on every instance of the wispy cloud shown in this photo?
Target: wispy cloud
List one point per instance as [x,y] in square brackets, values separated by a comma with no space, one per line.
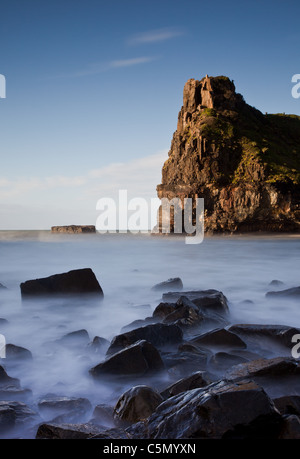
[98,68]
[155,36]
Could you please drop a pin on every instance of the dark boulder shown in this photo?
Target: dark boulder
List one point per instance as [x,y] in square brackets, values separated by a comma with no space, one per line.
[290,429]
[137,404]
[159,335]
[206,300]
[13,413]
[75,282]
[174,283]
[103,415]
[136,360]
[220,410]
[194,381]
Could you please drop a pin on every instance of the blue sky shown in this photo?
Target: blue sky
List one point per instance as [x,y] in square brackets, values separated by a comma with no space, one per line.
[94,88]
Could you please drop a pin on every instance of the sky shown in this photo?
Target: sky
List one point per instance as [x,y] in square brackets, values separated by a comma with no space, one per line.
[93,91]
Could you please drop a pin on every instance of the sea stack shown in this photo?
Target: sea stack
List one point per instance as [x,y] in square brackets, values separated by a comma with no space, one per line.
[74,229]
[245,164]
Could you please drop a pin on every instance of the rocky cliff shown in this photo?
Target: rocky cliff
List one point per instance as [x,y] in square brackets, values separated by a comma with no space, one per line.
[245,164]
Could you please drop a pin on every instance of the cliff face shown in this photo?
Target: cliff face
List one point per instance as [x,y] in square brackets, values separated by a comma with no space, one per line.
[244,164]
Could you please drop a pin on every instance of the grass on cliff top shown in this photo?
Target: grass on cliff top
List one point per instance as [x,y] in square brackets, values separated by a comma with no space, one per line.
[273,140]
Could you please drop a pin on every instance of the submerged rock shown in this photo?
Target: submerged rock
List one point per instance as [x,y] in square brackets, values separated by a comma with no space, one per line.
[17,352]
[136,360]
[174,283]
[136,404]
[75,282]
[67,407]
[288,293]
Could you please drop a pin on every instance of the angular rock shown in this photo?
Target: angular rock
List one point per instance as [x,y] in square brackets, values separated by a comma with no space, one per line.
[79,431]
[14,413]
[219,338]
[182,362]
[288,293]
[206,300]
[168,285]
[159,335]
[186,314]
[223,360]
[138,324]
[137,404]
[194,381]
[136,360]
[163,310]
[75,282]
[220,410]
[278,366]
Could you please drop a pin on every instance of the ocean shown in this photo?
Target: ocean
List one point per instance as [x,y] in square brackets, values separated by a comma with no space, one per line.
[127,266]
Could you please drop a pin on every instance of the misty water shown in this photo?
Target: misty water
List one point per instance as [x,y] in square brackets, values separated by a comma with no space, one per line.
[127,266]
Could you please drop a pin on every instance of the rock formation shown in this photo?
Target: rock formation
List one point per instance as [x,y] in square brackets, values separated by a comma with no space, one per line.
[74,229]
[246,165]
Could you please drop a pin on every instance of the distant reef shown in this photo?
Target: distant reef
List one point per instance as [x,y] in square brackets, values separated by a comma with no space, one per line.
[245,164]
[73,229]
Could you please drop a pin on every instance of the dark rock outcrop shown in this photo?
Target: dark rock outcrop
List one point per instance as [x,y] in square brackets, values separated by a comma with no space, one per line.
[243,163]
[194,381]
[292,293]
[71,229]
[75,282]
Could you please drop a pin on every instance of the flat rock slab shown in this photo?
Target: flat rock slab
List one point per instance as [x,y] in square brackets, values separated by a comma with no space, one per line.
[75,282]
[279,366]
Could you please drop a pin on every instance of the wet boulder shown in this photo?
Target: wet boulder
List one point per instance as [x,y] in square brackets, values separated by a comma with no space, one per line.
[160,335]
[221,410]
[194,381]
[75,282]
[136,404]
[136,360]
